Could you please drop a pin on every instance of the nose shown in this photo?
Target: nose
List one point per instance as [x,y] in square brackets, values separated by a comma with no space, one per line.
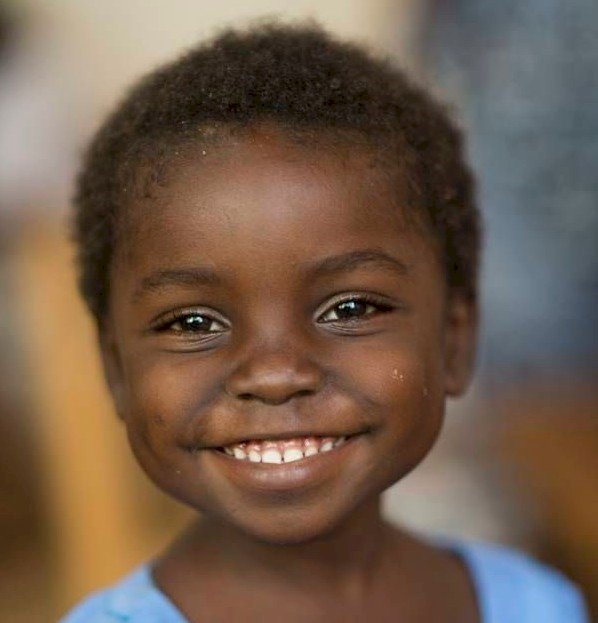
[274,377]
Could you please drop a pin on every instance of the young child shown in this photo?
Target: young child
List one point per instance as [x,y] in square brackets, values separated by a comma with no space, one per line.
[278,240]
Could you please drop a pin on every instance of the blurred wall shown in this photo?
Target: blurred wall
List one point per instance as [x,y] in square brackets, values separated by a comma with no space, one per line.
[524,74]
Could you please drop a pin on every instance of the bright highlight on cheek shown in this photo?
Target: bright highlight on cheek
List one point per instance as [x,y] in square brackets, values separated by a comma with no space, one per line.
[399,376]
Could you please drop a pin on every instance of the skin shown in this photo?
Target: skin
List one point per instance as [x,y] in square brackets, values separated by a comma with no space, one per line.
[271,355]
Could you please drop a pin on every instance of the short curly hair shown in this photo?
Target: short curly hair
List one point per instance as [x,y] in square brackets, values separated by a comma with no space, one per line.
[302,79]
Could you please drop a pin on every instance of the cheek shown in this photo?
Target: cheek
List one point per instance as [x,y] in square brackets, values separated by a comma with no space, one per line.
[159,405]
[408,376]
[405,389]
[162,402]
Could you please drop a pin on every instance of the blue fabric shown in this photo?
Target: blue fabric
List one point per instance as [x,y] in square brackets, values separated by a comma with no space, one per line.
[511,588]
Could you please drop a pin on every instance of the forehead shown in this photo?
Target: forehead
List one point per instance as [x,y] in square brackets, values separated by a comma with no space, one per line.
[264,190]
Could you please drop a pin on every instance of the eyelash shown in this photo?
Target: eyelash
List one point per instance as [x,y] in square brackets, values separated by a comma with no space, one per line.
[166,323]
[380,306]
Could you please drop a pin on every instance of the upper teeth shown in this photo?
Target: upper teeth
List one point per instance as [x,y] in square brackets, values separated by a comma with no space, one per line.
[282,451]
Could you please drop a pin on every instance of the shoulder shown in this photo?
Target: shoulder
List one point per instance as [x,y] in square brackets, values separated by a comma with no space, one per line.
[512,586]
[135,599]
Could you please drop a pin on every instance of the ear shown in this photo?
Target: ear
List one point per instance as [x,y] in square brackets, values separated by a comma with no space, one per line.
[113,370]
[460,343]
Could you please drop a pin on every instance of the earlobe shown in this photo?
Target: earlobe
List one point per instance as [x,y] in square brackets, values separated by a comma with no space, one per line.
[460,343]
[112,367]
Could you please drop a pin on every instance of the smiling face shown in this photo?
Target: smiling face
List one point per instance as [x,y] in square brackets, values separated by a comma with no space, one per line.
[271,292]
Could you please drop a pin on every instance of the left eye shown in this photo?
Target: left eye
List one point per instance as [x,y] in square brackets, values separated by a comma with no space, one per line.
[353,309]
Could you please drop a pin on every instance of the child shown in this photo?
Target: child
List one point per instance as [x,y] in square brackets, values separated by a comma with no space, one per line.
[279,242]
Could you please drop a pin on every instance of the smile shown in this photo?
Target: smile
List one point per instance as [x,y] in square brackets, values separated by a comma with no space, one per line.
[268,467]
[282,451]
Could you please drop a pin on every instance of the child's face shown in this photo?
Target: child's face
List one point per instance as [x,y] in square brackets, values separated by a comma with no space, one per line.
[309,308]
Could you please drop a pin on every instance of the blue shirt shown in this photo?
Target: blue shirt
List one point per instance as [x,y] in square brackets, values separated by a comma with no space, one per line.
[510,587]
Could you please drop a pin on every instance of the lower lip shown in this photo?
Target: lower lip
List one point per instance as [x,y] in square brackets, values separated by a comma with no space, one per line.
[281,477]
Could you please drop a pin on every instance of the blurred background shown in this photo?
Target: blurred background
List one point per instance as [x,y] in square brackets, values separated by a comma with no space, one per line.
[518,459]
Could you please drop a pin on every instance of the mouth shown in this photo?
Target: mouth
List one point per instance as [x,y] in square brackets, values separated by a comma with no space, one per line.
[273,466]
[278,451]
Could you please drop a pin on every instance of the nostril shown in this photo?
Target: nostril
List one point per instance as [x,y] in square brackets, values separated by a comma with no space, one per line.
[271,380]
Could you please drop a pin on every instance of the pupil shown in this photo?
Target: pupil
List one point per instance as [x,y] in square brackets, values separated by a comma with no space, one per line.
[196,323]
[349,309]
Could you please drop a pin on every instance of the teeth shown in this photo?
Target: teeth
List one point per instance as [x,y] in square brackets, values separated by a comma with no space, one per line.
[271,456]
[283,452]
[292,454]
[239,453]
[255,456]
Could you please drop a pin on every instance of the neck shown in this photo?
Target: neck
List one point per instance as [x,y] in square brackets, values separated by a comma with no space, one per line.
[349,559]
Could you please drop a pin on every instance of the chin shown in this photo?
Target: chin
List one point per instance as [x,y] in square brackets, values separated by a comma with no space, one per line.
[289,533]
[308,522]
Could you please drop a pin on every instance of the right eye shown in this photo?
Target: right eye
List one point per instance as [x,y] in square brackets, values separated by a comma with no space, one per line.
[187,322]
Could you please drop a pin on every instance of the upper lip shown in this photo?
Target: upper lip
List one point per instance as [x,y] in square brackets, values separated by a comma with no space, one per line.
[281,436]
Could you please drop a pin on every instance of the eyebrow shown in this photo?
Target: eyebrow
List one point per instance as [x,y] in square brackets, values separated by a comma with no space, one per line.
[347,262]
[192,276]
[195,276]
